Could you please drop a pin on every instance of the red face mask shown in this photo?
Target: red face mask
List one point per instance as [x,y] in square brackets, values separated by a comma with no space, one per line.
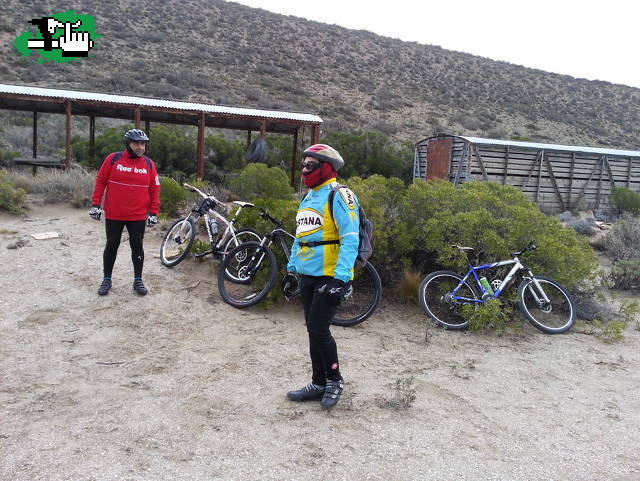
[319,175]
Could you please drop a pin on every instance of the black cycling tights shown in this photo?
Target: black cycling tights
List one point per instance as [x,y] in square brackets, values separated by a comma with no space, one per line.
[319,310]
[114,228]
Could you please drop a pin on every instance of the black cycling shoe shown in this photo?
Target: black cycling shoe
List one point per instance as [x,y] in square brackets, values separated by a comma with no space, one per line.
[332,393]
[308,393]
[138,286]
[104,288]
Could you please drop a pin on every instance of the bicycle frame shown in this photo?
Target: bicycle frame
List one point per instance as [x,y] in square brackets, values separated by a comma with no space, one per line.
[517,266]
[229,230]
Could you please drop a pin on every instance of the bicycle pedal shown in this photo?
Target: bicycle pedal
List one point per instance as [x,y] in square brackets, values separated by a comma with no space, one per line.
[202,254]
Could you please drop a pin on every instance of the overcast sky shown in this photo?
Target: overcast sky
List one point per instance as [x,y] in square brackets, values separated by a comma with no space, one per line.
[596,40]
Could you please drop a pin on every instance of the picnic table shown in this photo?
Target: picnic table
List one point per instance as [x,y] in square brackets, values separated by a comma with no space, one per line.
[35,163]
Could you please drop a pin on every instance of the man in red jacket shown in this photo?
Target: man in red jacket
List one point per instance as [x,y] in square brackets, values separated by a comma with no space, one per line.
[132,197]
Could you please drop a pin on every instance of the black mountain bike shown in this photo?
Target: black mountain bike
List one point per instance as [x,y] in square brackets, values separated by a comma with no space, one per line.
[251,270]
[179,238]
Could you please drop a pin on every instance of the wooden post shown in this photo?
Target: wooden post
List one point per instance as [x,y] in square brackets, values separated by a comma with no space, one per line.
[456,181]
[539,176]
[263,128]
[92,140]
[602,160]
[584,187]
[136,121]
[294,155]
[553,180]
[201,146]
[629,173]
[34,146]
[315,134]
[573,166]
[484,172]
[147,130]
[67,158]
[506,166]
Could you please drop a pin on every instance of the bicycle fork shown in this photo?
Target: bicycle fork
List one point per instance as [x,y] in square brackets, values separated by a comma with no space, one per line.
[539,296]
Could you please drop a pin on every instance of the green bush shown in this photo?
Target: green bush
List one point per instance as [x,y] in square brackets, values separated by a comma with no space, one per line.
[381,199]
[495,220]
[625,200]
[257,181]
[12,199]
[491,315]
[172,196]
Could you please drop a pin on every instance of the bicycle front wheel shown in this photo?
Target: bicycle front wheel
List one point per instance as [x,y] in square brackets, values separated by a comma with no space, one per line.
[177,242]
[363,298]
[242,235]
[553,317]
[440,304]
[247,274]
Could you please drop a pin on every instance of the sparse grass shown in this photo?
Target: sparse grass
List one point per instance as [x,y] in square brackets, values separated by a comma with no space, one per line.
[57,186]
[613,330]
[199,247]
[7,232]
[404,394]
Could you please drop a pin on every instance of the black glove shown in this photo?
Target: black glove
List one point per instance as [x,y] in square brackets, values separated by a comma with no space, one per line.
[290,285]
[152,220]
[95,212]
[335,290]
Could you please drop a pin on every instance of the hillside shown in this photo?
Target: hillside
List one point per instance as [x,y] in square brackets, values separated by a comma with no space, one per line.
[222,52]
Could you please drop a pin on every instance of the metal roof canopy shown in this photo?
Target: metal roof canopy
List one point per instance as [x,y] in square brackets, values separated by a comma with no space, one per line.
[137,109]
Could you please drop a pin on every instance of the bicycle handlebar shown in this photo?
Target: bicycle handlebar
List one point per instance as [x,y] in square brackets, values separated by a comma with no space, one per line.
[531,247]
[265,215]
[202,194]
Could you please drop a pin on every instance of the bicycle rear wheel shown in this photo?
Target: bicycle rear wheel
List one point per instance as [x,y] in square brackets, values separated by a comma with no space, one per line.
[438,302]
[552,317]
[366,289]
[246,234]
[247,274]
[177,242]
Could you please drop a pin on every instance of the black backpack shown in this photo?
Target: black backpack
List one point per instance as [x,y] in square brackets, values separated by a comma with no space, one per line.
[365,232]
[116,157]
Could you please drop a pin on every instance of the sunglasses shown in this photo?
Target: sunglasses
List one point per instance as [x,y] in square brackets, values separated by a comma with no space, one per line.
[310,164]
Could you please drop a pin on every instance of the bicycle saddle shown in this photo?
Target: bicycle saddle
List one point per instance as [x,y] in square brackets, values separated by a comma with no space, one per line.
[462,248]
[243,204]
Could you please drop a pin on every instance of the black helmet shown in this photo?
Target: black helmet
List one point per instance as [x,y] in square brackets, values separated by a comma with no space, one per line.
[135,135]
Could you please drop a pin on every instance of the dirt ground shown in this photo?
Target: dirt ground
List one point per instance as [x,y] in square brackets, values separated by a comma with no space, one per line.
[178,385]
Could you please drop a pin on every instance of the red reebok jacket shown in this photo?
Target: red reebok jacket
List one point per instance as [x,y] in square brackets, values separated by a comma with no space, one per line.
[133,189]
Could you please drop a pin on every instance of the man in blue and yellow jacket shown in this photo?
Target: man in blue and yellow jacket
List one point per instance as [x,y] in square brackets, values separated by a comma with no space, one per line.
[322,259]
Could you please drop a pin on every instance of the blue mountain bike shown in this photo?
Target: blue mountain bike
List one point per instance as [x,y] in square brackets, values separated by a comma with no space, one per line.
[546,305]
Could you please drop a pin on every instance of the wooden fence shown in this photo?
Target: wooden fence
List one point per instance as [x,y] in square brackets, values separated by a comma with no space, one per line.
[556,179]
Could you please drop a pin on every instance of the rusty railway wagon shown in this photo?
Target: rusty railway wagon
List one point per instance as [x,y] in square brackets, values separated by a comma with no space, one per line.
[556,177]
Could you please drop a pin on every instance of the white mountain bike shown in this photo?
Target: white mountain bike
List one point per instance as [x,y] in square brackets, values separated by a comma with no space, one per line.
[179,238]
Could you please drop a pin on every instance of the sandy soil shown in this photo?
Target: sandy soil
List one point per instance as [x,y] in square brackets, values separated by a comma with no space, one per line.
[178,385]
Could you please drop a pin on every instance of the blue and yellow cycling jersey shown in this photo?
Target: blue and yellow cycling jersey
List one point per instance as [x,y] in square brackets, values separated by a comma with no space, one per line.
[314,223]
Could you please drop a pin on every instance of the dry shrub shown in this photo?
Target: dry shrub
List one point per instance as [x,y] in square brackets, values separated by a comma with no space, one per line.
[408,286]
